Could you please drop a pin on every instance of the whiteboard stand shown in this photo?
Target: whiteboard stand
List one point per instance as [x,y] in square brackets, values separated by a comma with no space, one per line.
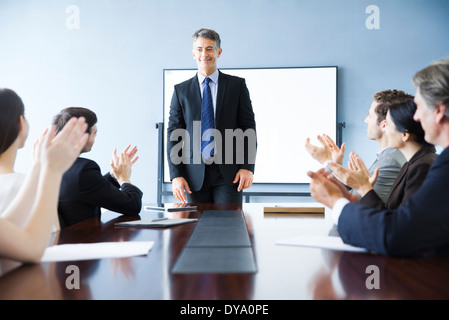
[340,126]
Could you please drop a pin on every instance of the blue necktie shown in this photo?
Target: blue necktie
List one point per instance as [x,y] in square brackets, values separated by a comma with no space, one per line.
[207,120]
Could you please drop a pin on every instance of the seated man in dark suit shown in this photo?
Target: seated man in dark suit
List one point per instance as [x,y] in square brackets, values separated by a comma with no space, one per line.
[84,190]
[420,227]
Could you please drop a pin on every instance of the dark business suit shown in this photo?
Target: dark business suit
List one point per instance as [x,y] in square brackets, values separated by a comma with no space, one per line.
[419,227]
[84,190]
[233,111]
[407,182]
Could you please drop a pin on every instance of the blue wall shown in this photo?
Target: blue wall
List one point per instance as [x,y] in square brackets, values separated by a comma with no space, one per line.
[113,63]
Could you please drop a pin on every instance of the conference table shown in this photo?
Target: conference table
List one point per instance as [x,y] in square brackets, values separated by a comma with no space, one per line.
[283,272]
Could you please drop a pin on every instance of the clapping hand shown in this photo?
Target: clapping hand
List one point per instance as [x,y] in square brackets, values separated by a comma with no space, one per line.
[121,165]
[355,163]
[323,189]
[58,152]
[356,176]
[328,150]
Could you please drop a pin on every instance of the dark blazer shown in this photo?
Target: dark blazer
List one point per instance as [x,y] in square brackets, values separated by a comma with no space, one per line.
[84,190]
[419,227]
[233,111]
[407,182]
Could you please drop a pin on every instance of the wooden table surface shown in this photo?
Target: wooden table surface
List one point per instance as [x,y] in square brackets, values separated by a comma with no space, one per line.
[284,273]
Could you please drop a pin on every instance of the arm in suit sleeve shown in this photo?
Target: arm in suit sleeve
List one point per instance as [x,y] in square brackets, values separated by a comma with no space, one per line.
[176,121]
[247,121]
[371,199]
[415,178]
[418,227]
[98,190]
[112,180]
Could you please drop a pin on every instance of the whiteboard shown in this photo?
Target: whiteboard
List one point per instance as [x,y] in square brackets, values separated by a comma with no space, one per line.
[290,105]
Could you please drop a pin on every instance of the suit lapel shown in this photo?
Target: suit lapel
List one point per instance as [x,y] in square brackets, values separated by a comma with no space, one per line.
[222,83]
[196,98]
[399,178]
[402,174]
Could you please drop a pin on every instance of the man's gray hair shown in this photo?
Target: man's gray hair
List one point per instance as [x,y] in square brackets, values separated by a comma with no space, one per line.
[433,84]
[208,34]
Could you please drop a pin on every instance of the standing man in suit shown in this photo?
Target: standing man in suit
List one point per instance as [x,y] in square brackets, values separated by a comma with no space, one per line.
[84,190]
[420,226]
[206,108]
[389,161]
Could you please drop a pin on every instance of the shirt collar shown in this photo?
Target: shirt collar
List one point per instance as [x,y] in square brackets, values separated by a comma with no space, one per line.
[213,77]
[382,151]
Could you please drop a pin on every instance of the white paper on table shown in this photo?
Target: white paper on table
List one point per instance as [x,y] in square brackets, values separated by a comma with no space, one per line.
[98,250]
[324,242]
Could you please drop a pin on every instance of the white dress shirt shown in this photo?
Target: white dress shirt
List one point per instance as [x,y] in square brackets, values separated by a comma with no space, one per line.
[338,208]
[213,85]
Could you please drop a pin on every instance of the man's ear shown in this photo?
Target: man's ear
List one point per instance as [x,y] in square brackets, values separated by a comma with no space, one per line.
[21,119]
[440,112]
[219,52]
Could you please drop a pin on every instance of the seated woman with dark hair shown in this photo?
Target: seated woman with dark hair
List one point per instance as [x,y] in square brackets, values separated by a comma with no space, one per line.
[14,129]
[406,135]
[28,213]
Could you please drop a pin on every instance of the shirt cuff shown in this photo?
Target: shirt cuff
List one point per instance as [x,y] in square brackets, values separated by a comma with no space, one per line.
[337,209]
[326,166]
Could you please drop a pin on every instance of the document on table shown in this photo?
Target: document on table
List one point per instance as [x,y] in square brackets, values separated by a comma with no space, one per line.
[98,250]
[290,209]
[170,209]
[161,223]
[324,242]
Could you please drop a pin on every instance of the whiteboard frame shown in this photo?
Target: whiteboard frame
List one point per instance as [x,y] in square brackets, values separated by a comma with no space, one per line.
[332,130]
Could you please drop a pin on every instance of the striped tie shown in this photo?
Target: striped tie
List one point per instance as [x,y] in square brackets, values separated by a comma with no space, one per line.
[207,121]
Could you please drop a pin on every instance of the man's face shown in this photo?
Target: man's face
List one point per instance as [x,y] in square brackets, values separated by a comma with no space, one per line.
[90,142]
[206,54]
[426,117]
[374,129]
